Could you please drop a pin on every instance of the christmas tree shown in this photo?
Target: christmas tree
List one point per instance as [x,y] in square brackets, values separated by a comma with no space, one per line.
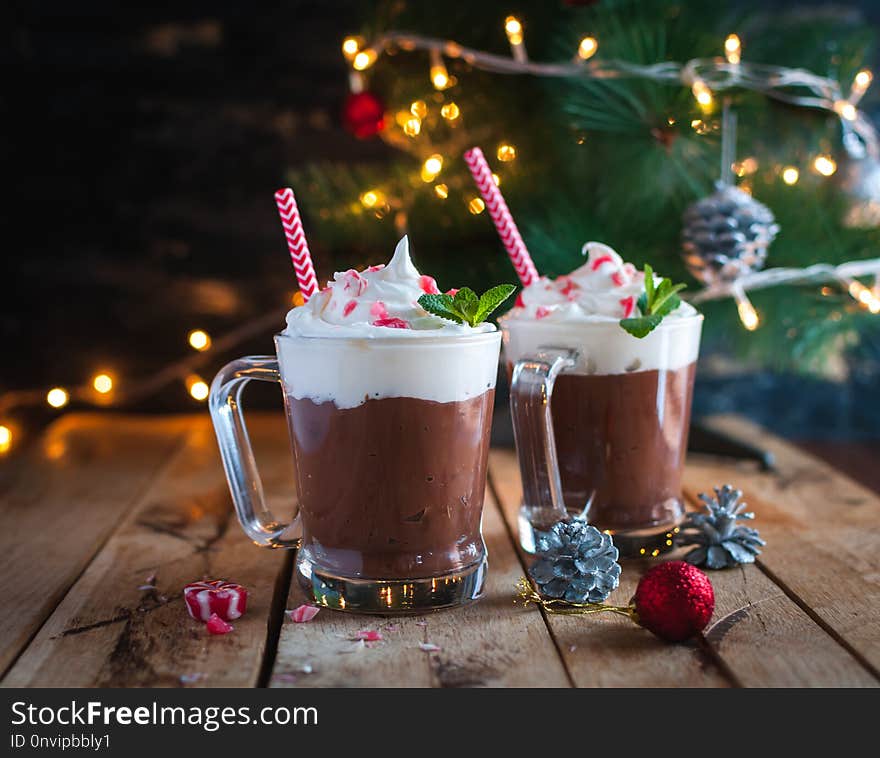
[615,158]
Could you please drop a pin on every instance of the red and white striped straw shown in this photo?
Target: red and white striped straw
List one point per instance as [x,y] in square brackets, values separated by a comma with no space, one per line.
[296,242]
[504,223]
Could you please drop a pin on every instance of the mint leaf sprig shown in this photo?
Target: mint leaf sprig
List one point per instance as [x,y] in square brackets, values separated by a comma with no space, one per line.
[654,303]
[465,307]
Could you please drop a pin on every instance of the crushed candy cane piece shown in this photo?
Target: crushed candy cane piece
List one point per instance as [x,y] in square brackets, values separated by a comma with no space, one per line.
[428,285]
[303,614]
[628,304]
[600,260]
[379,310]
[349,307]
[217,625]
[393,323]
[520,303]
[369,635]
[542,312]
[429,647]
[227,599]
[452,292]
[617,279]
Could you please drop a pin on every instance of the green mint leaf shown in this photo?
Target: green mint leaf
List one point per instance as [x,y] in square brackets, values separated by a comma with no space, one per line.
[466,304]
[649,283]
[491,299]
[642,326]
[664,295]
[668,305]
[442,306]
[642,302]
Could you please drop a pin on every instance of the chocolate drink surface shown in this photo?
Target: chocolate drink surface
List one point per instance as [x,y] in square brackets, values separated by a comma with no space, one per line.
[621,440]
[392,488]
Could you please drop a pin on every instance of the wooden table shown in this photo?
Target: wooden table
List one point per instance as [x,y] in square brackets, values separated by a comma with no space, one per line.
[106,517]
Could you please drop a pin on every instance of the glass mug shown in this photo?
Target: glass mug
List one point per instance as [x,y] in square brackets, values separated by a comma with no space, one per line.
[601,422]
[390,441]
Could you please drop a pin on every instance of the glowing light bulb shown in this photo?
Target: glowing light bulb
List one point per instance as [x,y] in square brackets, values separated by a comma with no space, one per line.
[476,206]
[733,48]
[199,340]
[432,166]
[506,152]
[747,313]
[825,165]
[103,383]
[864,295]
[419,109]
[197,387]
[439,75]
[450,111]
[5,439]
[57,397]
[442,191]
[496,179]
[298,299]
[846,110]
[702,93]
[790,175]
[588,47]
[364,59]
[513,29]
[350,47]
[862,81]
[412,127]
[372,198]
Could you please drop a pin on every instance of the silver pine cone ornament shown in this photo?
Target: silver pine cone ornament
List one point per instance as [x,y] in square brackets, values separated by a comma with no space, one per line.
[726,235]
[720,541]
[576,562]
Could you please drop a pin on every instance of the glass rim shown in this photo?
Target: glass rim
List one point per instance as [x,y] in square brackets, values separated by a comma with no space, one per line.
[667,324]
[389,342]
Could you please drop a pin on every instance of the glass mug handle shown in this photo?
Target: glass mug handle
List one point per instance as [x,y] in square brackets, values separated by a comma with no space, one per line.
[531,389]
[238,455]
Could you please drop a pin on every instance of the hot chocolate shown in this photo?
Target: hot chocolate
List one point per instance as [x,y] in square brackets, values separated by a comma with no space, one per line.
[389,410]
[620,408]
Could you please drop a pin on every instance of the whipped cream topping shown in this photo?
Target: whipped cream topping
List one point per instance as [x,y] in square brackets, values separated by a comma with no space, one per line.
[603,289]
[582,311]
[379,302]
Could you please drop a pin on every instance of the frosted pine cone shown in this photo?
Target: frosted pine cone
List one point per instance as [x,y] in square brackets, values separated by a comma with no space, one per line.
[576,562]
[720,542]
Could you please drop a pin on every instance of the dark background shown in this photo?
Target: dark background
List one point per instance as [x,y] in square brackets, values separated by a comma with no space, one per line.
[141,147]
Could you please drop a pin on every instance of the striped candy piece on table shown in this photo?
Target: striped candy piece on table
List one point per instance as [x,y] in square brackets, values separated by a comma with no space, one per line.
[504,223]
[296,242]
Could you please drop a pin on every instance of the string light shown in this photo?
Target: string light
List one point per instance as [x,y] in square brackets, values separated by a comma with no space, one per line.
[419,109]
[432,166]
[790,175]
[513,29]
[372,198]
[350,47]
[587,48]
[199,340]
[297,299]
[103,384]
[57,397]
[364,59]
[412,127]
[439,75]
[864,295]
[506,152]
[845,109]
[825,165]
[476,206]
[733,49]
[197,388]
[496,179]
[450,111]
[860,85]
[441,190]
[745,167]
[702,94]
[747,313]
[5,438]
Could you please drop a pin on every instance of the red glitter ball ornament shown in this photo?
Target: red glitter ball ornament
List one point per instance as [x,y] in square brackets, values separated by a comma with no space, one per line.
[674,600]
[363,114]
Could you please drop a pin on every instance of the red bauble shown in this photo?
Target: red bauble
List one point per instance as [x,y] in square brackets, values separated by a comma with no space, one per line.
[674,600]
[363,114]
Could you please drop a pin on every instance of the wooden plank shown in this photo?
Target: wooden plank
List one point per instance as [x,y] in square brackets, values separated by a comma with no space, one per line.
[110,632]
[606,650]
[61,500]
[491,643]
[822,532]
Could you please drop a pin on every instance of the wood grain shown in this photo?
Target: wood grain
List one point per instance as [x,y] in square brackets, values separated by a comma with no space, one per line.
[821,530]
[608,650]
[491,643]
[60,501]
[110,631]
